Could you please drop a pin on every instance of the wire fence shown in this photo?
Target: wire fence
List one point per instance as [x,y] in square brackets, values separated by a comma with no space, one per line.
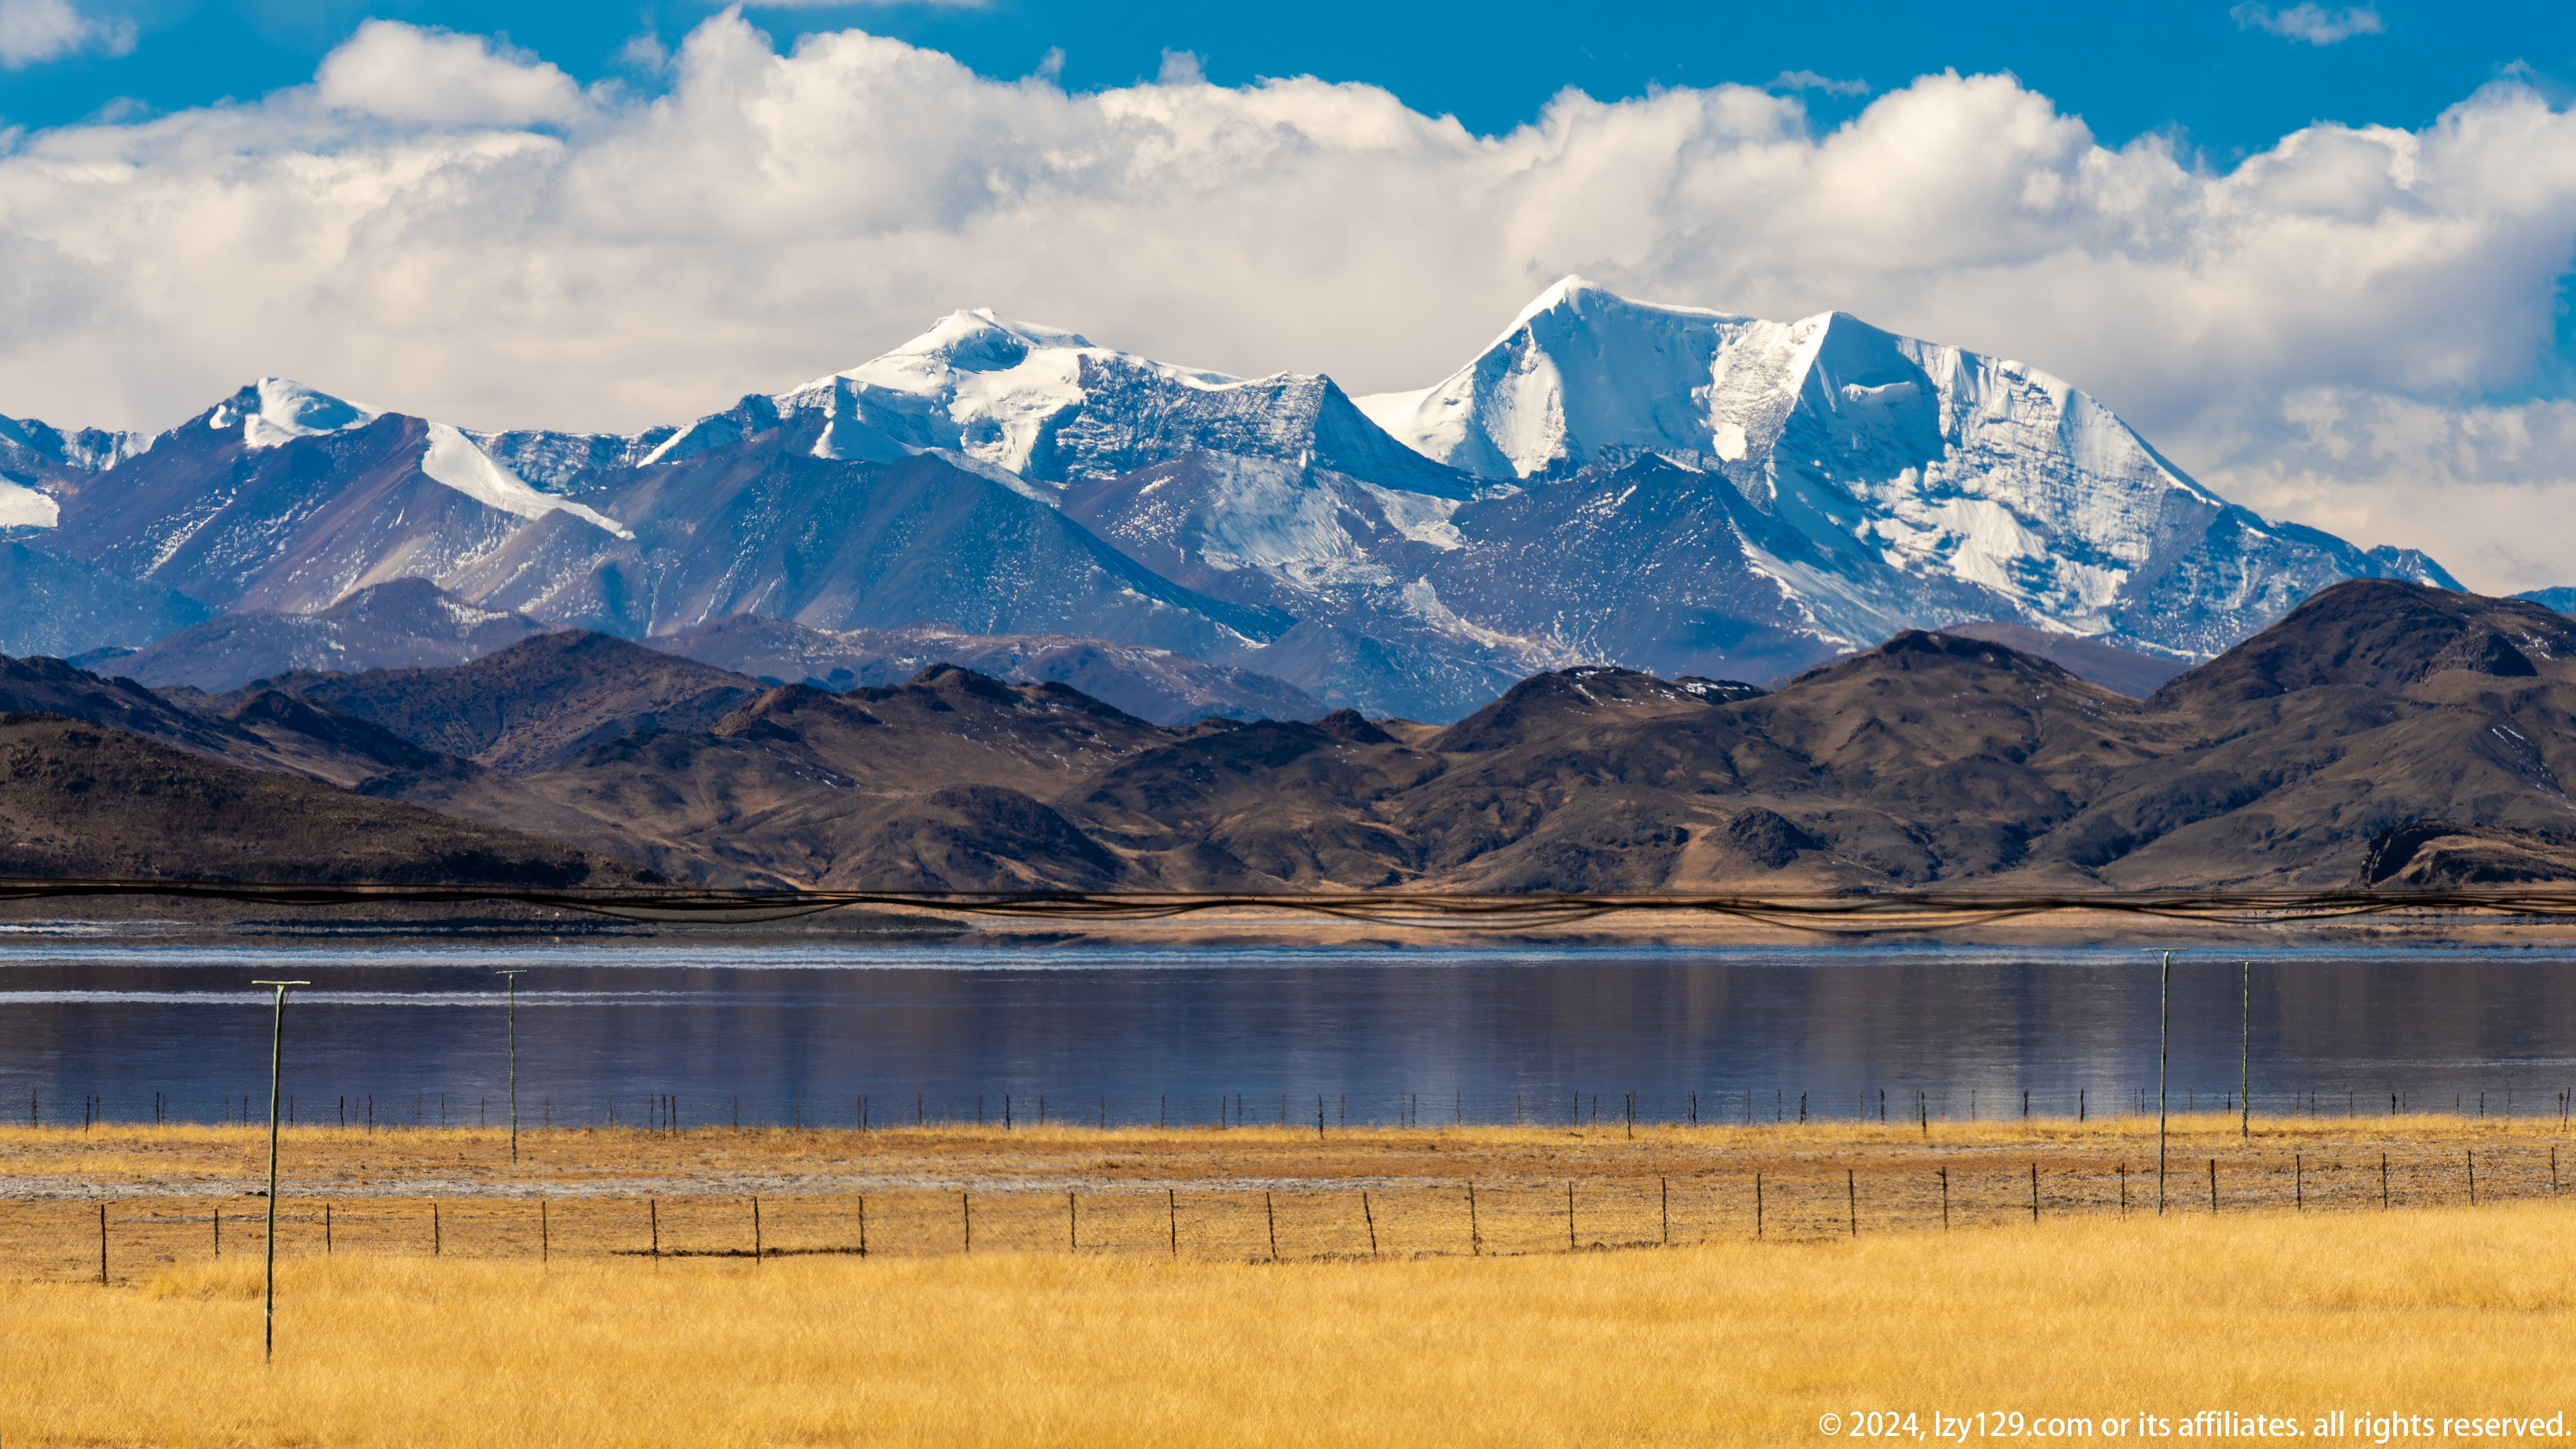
[1715,1107]
[133,1238]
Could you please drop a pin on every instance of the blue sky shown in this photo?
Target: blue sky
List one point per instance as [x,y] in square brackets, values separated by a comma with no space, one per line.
[2319,255]
[2218,76]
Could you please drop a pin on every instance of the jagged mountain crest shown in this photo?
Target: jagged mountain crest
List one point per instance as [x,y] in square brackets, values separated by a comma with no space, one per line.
[1670,488]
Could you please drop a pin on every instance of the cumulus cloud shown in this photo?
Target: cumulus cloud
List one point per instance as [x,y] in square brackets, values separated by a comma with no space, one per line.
[2321,332]
[402,72]
[40,30]
[2309,21]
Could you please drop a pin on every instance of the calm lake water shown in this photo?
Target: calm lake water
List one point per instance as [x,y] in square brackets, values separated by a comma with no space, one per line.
[792,1034]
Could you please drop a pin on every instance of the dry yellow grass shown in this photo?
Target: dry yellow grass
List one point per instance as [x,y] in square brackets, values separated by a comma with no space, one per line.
[2437,1312]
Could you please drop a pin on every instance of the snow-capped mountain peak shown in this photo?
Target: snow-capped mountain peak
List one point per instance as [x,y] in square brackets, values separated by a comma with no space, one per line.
[1052,408]
[277,410]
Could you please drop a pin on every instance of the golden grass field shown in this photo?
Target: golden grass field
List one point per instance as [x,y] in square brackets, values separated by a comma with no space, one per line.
[2429,1308]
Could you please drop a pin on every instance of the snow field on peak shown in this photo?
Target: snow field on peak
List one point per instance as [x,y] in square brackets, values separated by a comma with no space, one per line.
[286,410]
[453,459]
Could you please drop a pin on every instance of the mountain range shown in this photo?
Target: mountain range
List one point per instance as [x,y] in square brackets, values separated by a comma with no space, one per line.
[1610,483]
[2381,733]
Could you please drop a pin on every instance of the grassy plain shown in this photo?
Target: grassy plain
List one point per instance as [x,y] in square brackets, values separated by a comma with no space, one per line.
[1076,1323]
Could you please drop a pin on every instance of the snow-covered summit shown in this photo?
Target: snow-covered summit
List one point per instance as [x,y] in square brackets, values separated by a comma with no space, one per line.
[1049,406]
[277,410]
[1916,458]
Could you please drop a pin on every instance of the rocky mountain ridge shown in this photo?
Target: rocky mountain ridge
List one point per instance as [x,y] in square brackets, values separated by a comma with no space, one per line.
[1931,762]
[1662,488]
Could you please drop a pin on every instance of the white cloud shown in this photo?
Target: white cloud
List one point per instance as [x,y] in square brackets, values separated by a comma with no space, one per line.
[1807,80]
[40,30]
[401,72]
[2322,332]
[2309,21]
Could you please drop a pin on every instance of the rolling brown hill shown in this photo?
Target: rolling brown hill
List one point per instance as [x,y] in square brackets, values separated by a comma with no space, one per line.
[533,705]
[2309,756]
[77,800]
[1152,684]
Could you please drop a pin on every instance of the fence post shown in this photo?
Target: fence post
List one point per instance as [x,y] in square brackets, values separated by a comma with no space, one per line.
[653,1216]
[1072,1226]
[102,1244]
[2473,1177]
[1851,1201]
[2383,1182]
[1475,1234]
[1569,1211]
[863,1225]
[1367,1215]
[1666,1185]
[2034,1194]
[545,1237]
[1271,1216]
[755,1229]
[1172,1207]
[966,1215]
[1757,1207]
[1945,1199]
[2213,1187]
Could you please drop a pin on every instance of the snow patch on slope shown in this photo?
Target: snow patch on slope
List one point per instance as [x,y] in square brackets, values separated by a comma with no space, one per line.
[451,458]
[26,508]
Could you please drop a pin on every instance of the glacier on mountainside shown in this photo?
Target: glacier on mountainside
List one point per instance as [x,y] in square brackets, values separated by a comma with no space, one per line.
[1051,407]
[1892,483]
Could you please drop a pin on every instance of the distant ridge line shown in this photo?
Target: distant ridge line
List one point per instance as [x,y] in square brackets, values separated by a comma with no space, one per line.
[1842,914]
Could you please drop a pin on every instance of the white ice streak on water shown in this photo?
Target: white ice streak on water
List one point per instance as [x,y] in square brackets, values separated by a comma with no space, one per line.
[312,996]
[453,459]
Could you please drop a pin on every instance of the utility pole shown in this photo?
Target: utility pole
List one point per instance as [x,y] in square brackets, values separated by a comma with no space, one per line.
[2164,1055]
[2245,1059]
[513,978]
[276,1065]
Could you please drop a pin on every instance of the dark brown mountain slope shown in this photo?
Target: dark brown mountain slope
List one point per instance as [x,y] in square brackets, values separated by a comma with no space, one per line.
[937,781]
[1930,762]
[535,704]
[259,729]
[2371,705]
[2124,670]
[78,800]
[405,624]
[1152,684]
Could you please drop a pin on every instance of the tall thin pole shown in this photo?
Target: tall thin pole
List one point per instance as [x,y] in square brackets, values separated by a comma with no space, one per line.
[2164,1042]
[513,978]
[276,1064]
[2245,1059]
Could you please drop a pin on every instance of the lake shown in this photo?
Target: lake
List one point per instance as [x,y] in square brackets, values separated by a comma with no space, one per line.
[787,1034]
